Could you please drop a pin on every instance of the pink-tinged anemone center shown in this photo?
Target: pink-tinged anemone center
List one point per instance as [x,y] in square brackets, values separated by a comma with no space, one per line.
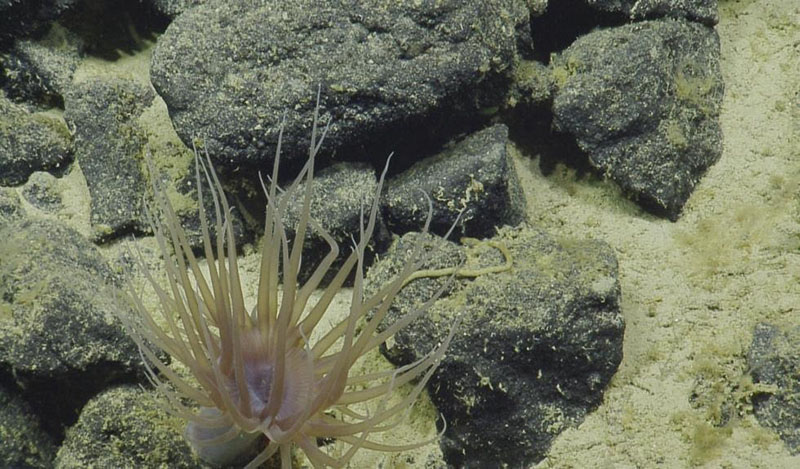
[259,375]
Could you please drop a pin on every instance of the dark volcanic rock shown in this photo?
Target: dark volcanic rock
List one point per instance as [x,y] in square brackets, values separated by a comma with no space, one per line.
[109,143]
[59,333]
[535,349]
[126,427]
[10,206]
[704,11]
[42,192]
[230,71]
[40,71]
[475,175]
[24,17]
[23,443]
[30,141]
[775,365]
[643,101]
[173,8]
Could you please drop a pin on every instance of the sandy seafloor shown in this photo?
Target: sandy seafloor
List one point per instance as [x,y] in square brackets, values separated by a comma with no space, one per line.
[693,290]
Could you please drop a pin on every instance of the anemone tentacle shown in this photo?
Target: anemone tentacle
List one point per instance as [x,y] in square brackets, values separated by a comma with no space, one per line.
[259,379]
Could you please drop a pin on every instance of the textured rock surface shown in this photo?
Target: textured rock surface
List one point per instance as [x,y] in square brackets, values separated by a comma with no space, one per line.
[704,11]
[109,145]
[774,365]
[59,335]
[30,141]
[22,441]
[643,101]
[474,174]
[536,346]
[126,427]
[229,72]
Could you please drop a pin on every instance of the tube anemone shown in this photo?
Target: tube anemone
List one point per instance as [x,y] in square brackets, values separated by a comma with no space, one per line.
[260,381]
